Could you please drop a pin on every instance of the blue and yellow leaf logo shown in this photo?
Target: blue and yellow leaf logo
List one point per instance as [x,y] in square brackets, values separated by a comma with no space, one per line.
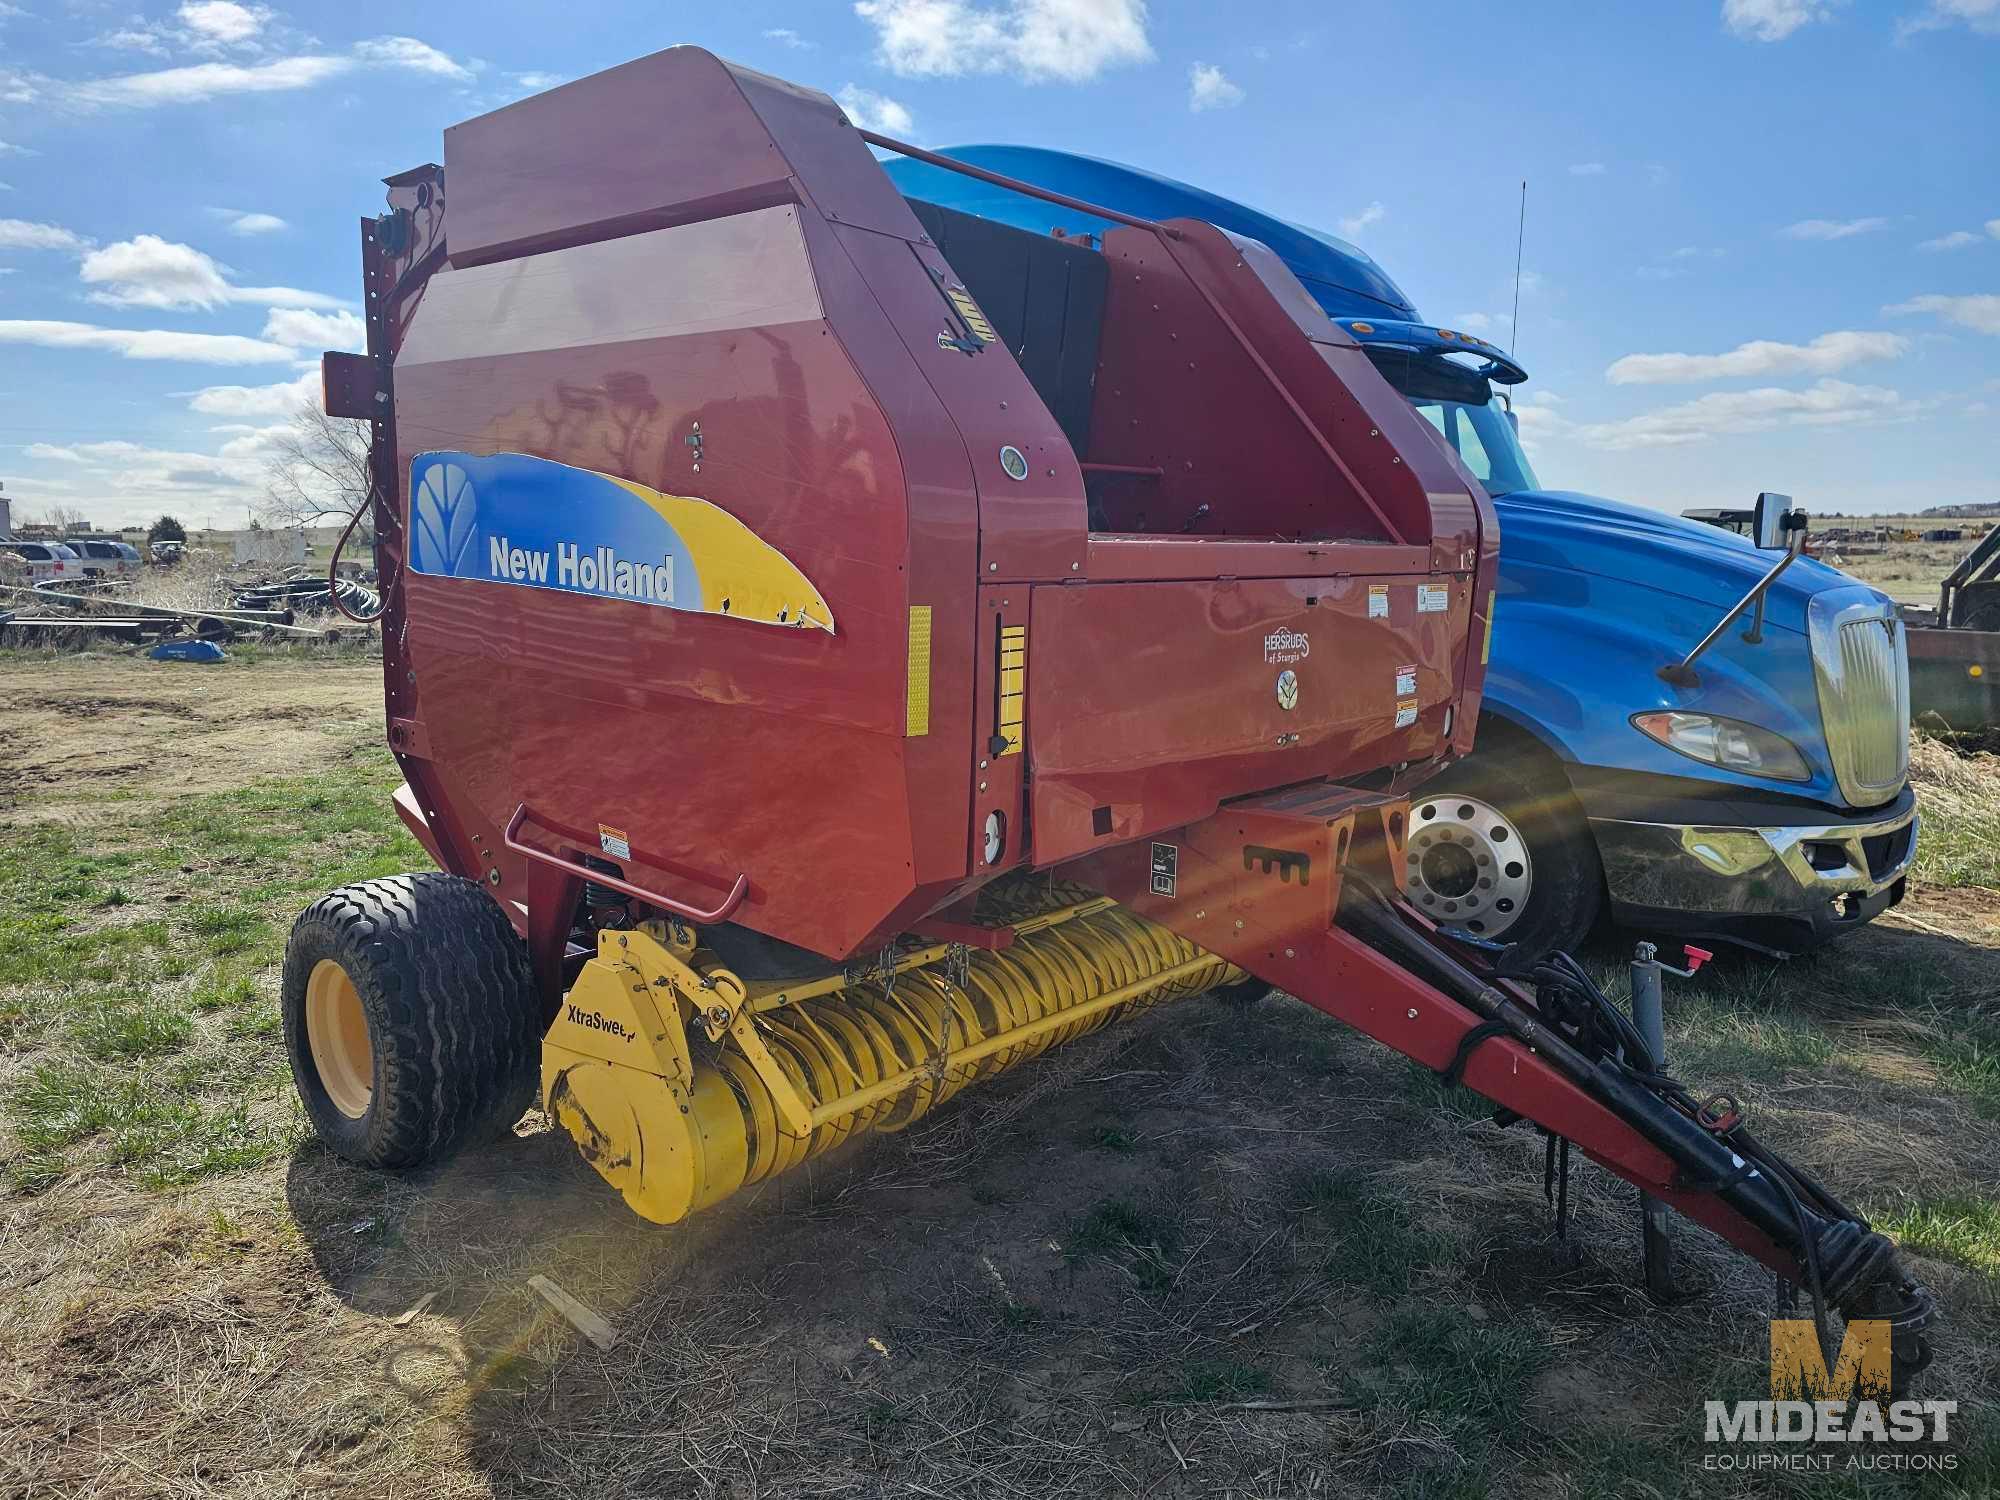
[446,515]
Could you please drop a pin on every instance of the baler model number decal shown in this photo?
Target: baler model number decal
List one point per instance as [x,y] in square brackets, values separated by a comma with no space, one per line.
[531,522]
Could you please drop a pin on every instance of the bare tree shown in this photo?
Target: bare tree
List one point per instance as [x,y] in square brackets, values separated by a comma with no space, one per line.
[317,471]
[64,519]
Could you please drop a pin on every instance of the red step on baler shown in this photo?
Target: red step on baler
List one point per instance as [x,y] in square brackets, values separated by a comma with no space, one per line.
[857,646]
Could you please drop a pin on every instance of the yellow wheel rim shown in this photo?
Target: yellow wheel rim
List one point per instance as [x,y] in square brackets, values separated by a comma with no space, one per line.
[337,1030]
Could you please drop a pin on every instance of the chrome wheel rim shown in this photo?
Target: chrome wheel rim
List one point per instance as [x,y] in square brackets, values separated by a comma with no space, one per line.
[1468,865]
[337,1032]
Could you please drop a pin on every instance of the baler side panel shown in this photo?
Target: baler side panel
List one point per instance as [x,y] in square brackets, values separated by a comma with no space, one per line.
[599,711]
[1209,374]
[1033,527]
[836,442]
[1391,451]
[1118,671]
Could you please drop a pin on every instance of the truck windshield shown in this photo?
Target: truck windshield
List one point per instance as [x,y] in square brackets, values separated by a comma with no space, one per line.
[1460,405]
[1485,442]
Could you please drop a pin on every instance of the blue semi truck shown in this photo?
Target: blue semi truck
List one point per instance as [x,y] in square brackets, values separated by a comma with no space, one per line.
[1758,796]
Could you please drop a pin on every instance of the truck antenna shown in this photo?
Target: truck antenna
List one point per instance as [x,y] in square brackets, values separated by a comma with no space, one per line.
[1520,237]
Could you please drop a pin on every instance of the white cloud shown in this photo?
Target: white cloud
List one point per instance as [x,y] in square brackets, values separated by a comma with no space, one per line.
[197,83]
[1827,402]
[245,223]
[1958,239]
[1763,357]
[147,271]
[1769,20]
[1374,213]
[1586,169]
[1067,40]
[536,82]
[408,52]
[223,21]
[1980,312]
[200,82]
[1479,322]
[129,482]
[1210,88]
[139,38]
[279,400]
[23,234]
[786,37]
[1993,228]
[7,148]
[1982,16]
[148,343]
[878,112]
[1831,229]
[315,330]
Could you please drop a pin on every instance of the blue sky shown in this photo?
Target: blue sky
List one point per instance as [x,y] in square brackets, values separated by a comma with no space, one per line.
[1763,236]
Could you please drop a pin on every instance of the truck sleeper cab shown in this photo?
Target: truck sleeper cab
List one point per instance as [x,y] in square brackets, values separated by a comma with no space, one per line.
[1765,804]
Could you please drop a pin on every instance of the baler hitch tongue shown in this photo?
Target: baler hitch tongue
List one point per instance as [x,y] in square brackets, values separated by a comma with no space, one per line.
[1603,1087]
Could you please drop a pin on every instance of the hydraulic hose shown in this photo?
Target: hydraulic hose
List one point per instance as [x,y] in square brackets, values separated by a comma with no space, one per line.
[1842,1260]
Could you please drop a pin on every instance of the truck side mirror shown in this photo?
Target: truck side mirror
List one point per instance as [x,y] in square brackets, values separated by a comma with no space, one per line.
[1770,521]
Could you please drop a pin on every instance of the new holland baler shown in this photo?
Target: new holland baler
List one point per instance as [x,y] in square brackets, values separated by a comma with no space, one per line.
[840,648]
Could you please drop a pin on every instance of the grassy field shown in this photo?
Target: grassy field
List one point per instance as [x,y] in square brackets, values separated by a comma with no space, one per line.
[1906,571]
[1214,1251]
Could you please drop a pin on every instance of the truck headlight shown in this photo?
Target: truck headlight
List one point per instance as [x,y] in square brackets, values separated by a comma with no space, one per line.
[1728,743]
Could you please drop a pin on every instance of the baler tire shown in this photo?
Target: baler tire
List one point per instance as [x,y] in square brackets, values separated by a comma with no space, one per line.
[1568,889]
[453,1021]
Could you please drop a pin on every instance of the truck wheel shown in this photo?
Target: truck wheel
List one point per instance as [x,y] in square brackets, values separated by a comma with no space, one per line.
[1499,848]
[411,1018]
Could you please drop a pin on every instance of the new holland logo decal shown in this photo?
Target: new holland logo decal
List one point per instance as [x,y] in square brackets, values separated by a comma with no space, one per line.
[533,523]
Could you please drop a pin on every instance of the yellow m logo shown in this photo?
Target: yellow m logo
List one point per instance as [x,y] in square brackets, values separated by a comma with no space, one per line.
[1798,1366]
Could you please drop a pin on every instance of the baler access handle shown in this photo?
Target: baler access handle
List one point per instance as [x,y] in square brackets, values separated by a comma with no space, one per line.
[680,909]
[1027,189]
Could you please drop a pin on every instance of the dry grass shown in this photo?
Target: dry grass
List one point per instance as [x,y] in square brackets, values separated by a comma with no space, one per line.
[1214,1251]
[1960,795]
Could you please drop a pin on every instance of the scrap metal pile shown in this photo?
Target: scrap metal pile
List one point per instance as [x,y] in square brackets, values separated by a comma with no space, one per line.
[68,618]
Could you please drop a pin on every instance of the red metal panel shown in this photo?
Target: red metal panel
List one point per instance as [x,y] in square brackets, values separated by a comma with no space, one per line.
[1121,672]
[1217,369]
[590,159]
[1028,528]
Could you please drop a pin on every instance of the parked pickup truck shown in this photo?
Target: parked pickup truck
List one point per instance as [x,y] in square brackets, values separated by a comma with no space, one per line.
[1761,797]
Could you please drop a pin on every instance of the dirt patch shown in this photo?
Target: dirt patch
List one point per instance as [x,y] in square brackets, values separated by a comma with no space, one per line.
[80,734]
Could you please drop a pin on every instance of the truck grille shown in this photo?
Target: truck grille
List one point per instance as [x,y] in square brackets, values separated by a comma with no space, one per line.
[1864,691]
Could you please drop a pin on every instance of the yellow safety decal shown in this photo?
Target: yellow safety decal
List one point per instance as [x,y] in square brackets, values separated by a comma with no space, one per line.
[1013,684]
[917,714]
[1486,646]
[969,311]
